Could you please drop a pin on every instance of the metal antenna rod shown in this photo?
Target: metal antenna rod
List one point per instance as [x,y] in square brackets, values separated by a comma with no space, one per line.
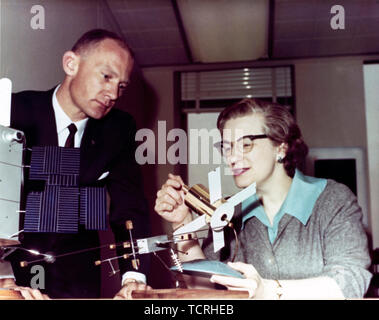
[135,261]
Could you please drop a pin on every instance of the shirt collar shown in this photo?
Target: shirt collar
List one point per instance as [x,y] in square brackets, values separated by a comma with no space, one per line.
[299,203]
[62,119]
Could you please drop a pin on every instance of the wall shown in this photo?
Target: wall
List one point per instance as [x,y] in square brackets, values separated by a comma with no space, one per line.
[330,102]
[32,58]
[371,78]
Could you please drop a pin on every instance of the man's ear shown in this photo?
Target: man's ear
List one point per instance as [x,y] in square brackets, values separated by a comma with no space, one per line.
[70,62]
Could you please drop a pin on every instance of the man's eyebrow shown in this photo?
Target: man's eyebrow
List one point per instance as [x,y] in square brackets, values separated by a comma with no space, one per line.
[109,70]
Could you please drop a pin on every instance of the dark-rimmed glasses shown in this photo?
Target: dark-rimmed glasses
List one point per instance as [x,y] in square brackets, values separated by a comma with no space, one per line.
[244,144]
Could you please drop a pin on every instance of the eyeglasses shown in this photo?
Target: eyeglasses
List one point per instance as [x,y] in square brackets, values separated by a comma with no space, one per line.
[244,144]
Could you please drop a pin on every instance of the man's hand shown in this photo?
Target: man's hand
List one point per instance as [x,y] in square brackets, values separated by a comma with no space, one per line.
[128,287]
[31,294]
[7,283]
[26,292]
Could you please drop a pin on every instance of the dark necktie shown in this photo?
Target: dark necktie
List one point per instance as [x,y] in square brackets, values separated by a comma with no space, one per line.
[70,142]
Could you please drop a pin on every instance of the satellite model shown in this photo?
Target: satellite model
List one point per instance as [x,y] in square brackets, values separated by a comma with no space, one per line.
[58,168]
[12,144]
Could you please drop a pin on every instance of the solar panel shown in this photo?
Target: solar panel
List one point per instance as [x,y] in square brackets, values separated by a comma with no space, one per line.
[63,204]
[92,208]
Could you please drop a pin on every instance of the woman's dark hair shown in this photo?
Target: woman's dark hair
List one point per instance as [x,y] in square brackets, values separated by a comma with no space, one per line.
[279,126]
[95,36]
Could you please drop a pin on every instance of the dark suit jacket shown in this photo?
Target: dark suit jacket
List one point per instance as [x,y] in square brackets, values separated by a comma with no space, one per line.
[108,144]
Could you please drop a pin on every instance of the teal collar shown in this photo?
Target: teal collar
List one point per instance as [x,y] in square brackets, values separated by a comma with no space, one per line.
[299,203]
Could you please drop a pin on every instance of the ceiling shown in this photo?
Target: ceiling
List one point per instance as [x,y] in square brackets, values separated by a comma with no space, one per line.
[182,32]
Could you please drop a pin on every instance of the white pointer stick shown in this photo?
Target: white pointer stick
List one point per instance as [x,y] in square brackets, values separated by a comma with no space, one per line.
[5,102]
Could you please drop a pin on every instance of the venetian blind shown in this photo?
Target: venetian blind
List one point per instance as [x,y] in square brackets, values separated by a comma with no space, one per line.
[240,83]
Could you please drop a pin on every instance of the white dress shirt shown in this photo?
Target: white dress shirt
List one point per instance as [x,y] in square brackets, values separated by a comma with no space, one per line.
[6,271]
[62,121]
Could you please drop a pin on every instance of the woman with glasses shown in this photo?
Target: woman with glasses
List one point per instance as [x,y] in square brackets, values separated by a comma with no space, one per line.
[299,237]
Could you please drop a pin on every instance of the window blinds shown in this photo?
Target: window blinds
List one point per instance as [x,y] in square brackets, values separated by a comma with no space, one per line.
[236,84]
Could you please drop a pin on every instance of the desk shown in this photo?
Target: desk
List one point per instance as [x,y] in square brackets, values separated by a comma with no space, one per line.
[8,294]
[189,294]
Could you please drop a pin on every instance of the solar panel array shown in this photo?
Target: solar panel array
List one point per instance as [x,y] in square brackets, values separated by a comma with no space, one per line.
[63,204]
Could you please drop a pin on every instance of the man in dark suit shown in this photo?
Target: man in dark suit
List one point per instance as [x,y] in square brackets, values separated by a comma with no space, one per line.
[97,70]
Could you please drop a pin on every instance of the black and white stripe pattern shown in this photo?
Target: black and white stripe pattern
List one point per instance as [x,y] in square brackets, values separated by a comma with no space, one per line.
[63,205]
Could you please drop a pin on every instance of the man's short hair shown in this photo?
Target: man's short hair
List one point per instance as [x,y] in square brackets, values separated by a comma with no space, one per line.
[95,36]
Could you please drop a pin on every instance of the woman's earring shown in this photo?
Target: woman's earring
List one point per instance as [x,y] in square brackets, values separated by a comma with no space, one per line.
[280,159]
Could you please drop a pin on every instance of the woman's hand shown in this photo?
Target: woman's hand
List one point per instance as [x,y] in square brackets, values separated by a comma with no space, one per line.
[253,283]
[170,202]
